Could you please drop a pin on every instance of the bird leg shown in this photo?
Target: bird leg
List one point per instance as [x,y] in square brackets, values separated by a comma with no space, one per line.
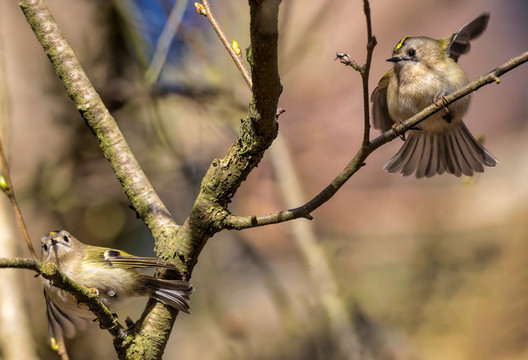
[441,101]
[394,126]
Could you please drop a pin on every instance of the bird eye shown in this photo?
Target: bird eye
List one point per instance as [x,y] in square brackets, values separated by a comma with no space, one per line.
[411,52]
[45,247]
[66,239]
[112,253]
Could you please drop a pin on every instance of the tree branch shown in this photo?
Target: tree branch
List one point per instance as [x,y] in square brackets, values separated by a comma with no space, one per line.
[6,185]
[224,176]
[264,66]
[365,73]
[153,330]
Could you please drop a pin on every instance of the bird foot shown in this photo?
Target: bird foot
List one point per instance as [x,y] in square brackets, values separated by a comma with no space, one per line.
[394,126]
[441,101]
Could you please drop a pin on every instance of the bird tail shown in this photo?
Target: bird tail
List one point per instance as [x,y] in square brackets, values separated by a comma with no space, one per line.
[175,293]
[62,322]
[429,153]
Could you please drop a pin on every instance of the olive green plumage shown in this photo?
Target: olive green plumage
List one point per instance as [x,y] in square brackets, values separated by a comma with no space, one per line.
[112,274]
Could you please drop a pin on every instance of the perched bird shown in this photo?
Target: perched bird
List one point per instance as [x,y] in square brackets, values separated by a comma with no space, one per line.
[424,71]
[112,274]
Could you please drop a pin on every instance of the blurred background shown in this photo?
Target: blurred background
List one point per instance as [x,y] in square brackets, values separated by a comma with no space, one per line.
[424,269]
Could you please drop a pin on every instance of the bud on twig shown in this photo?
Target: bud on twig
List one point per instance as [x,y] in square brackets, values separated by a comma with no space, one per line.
[3,184]
[234,45]
[200,8]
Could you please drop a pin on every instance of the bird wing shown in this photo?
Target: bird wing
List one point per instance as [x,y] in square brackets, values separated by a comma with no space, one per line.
[459,42]
[380,110]
[123,259]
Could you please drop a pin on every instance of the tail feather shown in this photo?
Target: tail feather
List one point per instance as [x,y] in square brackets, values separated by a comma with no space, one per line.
[402,156]
[175,293]
[478,151]
[453,164]
[464,166]
[427,153]
[442,149]
[472,162]
[437,165]
[414,161]
[427,157]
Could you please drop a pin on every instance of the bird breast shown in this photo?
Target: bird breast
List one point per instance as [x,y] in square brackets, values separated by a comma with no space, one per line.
[416,85]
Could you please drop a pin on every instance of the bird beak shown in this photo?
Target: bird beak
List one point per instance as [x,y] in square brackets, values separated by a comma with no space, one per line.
[394,59]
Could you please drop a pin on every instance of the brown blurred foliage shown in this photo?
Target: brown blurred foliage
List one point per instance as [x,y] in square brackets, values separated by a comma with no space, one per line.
[431,269]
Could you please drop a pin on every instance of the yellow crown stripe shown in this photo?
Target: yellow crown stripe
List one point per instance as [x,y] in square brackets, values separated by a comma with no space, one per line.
[400,44]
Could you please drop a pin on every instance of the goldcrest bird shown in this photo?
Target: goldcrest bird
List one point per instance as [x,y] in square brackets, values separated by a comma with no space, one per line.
[424,71]
[112,274]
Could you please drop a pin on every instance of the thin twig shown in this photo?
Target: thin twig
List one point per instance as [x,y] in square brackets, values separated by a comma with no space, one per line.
[346,60]
[236,57]
[10,192]
[364,71]
[62,351]
[371,43]
[304,211]
[366,9]
[165,41]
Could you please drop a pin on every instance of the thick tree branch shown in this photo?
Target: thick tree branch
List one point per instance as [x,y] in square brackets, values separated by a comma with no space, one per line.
[149,343]
[304,211]
[49,271]
[224,176]
[264,66]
